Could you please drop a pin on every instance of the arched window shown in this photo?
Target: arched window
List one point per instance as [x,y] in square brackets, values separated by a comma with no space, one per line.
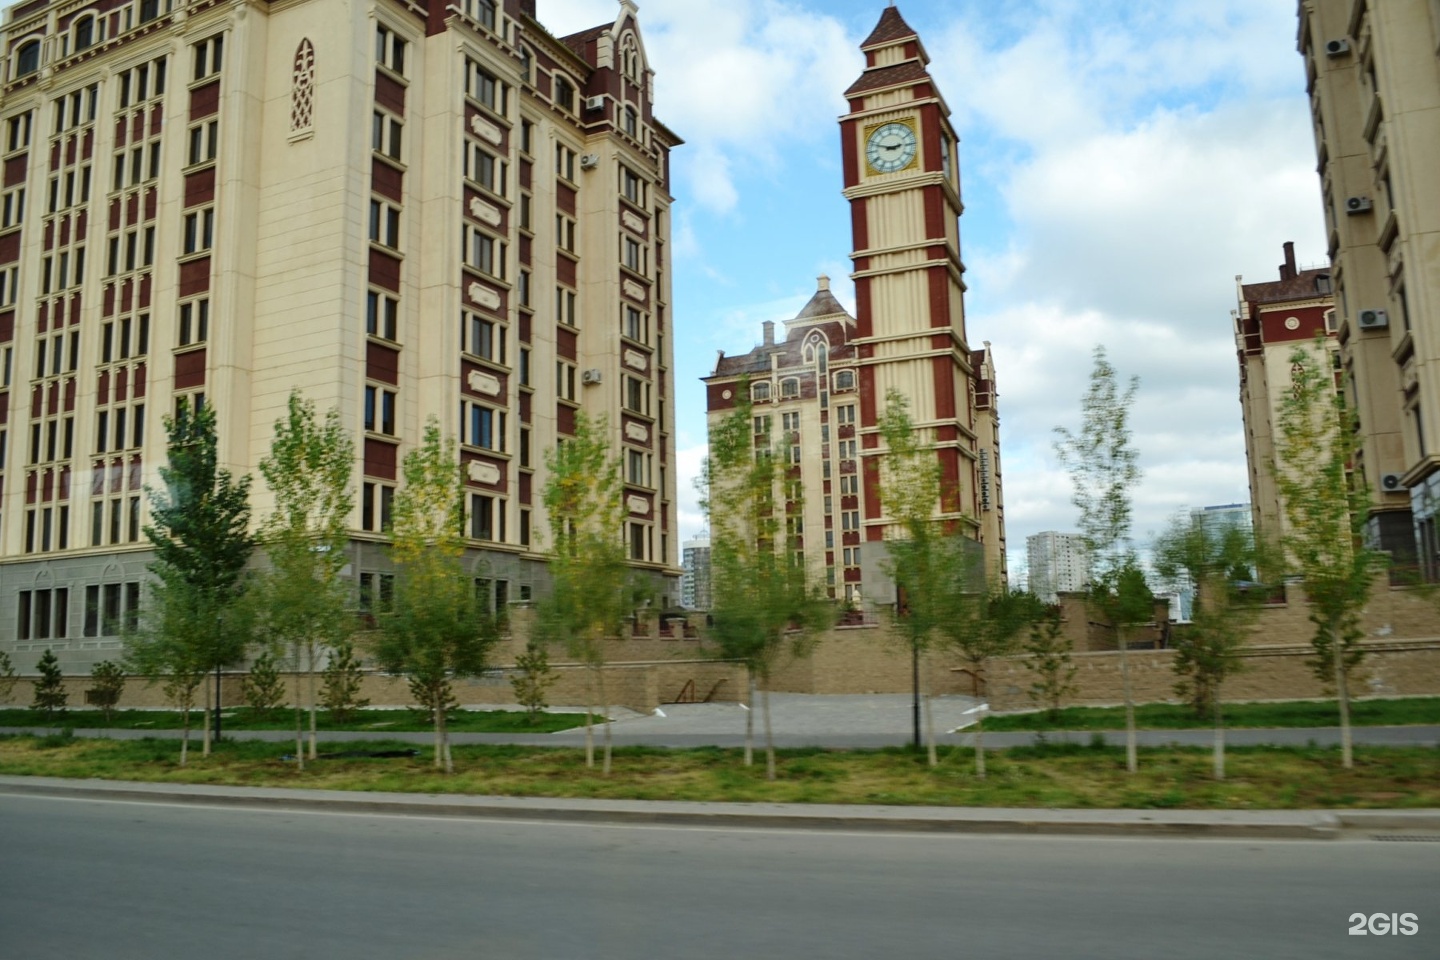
[845,380]
[789,387]
[27,59]
[84,33]
[302,87]
[760,391]
[564,94]
[630,58]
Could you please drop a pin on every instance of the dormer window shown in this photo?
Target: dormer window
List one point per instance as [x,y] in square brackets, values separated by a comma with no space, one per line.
[1322,284]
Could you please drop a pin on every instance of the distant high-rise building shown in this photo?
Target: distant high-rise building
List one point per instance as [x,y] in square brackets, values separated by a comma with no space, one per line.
[1272,319]
[1058,563]
[695,581]
[1374,82]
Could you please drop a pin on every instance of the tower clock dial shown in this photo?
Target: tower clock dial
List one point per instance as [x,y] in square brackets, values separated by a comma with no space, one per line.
[890,147]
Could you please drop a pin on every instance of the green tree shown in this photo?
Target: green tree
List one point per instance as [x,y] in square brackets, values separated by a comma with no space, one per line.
[1104,468]
[437,627]
[1051,661]
[983,625]
[762,607]
[592,590]
[302,598]
[50,694]
[8,678]
[926,563]
[342,680]
[1325,511]
[194,621]
[107,683]
[533,677]
[262,688]
[1214,562]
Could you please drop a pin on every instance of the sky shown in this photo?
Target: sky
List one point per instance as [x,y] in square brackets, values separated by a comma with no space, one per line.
[1121,163]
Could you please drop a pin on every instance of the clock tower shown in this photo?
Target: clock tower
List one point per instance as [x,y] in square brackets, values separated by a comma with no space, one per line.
[902,180]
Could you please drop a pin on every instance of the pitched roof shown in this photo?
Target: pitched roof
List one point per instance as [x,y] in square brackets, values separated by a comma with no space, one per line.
[577,41]
[891,28]
[1302,286]
[823,304]
[911,71]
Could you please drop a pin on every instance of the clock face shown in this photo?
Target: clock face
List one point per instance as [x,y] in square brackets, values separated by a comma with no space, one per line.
[891,147]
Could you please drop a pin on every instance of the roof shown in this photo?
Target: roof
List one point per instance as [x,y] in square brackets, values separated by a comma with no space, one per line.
[891,28]
[822,312]
[911,71]
[577,41]
[1302,286]
[823,304]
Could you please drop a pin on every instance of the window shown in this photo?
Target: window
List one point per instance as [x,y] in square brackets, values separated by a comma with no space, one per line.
[760,391]
[637,395]
[482,12]
[637,326]
[127,337]
[483,252]
[527,136]
[847,449]
[851,556]
[381,315]
[482,337]
[632,254]
[631,186]
[482,426]
[27,60]
[385,224]
[136,164]
[131,250]
[84,33]
[524,446]
[565,306]
[845,380]
[564,162]
[194,321]
[12,207]
[525,221]
[77,108]
[789,388]
[524,288]
[564,232]
[43,614]
[762,425]
[487,517]
[524,366]
[565,380]
[376,500]
[484,168]
[630,122]
[385,130]
[209,54]
[564,95]
[790,422]
[481,86]
[849,485]
[142,83]
[845,415]
[199,230]
[524,528]
[203,140]
[638,541]
[850,520]
[380,410]
[389,50]
[9,284]
[17,132]
[638,467]
[377,592]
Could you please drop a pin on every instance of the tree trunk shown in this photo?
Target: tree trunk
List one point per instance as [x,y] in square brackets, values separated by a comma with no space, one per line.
[310,662]
[205,720]
[1219,736]
[750,717]
[1342,694]
[929,717]
[980,746]
[769,739]
[444,741]
[589,721]
[437,716]
[299,719]
[605,718]
[185,735]
[1132,761]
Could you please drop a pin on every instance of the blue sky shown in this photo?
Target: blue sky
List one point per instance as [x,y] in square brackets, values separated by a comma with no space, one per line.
[1122,162]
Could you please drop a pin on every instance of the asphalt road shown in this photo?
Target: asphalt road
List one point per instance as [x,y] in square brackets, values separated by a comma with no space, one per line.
[82,878]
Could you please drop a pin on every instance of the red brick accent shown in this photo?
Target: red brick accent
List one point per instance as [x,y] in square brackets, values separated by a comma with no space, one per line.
[379,459]
[389,93]
[384,270]
[190,369]
[200,187]
[204,101]
[194,278]
[386,180]
[382,363]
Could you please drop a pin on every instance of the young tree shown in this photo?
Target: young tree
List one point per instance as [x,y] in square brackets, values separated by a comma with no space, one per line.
[262,689]
[982,626]
[592,590]
[1213,561]
[1325,511]
[532,679]
[8,678]
[107,683]
[761,604]
[194,621]
[303,600]
[1104,468]
[925,562]
[1050,660]
[437,628]
[50,694]
[343,678]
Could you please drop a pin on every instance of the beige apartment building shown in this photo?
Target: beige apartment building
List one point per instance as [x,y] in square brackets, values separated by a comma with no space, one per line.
[1272,319]
[820,389]
[404,209]
[1373,75]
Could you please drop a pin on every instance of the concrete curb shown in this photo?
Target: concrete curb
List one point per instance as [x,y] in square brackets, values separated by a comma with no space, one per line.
[1233,824]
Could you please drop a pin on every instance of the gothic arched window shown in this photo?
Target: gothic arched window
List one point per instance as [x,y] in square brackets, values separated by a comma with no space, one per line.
[302,88]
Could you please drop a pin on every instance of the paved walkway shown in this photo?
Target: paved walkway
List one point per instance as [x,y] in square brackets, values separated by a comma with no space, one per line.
[849,721]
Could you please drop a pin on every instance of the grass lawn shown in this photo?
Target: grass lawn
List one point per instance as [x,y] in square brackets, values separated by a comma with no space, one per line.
[1054,775]
[1174,716]
[242,718]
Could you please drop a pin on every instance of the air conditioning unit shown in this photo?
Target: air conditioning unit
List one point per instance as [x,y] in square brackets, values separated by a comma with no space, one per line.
[1358,204]
[1374,319]
[594,103]
[1337,48]
[590,161]
[590,376]
[1390,483]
